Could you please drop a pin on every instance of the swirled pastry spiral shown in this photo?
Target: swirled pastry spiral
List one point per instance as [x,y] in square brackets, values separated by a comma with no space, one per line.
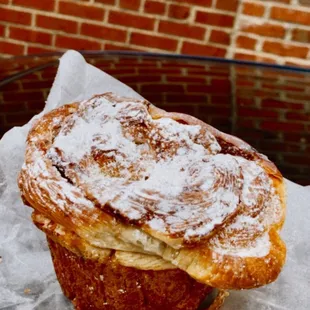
[125,175]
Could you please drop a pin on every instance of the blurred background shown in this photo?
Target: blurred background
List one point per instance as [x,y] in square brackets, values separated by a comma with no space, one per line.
[275,31]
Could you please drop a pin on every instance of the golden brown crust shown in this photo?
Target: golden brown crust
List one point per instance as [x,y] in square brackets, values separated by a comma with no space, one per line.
[98,286]
[208,259]
[80,247]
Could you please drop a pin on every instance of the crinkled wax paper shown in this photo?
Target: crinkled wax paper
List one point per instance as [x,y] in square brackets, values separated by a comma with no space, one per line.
[27,278]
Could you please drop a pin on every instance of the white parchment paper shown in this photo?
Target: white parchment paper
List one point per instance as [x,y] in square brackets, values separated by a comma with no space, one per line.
[27,278]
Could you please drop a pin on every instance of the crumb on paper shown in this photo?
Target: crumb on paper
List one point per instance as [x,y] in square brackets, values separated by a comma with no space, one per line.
[27,291]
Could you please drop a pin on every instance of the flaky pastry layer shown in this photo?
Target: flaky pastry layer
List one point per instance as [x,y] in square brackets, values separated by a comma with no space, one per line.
[123,174]
[79,246]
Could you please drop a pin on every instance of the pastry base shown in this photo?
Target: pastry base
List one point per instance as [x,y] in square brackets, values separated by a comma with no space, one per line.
[90,284]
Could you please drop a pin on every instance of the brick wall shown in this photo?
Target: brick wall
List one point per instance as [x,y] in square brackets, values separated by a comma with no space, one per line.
[273,31]
[268,109]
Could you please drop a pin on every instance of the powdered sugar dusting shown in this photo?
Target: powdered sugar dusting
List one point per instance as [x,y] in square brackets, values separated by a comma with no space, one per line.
[164,176]
[247,235]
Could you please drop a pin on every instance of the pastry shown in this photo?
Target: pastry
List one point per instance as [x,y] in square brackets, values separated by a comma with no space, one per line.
[122,187]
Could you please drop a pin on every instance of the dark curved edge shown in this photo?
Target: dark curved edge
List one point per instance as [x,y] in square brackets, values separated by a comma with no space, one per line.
[152,55]
[18,75]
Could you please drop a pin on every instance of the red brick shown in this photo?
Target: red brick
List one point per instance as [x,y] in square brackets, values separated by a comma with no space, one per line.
[246,42]
[296,137]
[159,42]
[18,119]
[49,72]
[283,1]
[275,146]
[220,99]
[202,49]
[295,96]
[297,116]
[186,98]
[140,78]
[32,76]
[54,23]
[106,1]
[248,123]
[130,4]
[214,110]
[103,32]
[124,71]
[282,126]
[154,88]
[204,3]
[23,96]
[2,30]
[304,2]
[37,84]
[12,107]
[11,48]
[301,35]
[270,103]
[30,35]
[76,43]
[40,5]
[220,37]
[227,5]
[253,9]
[174,64]
[154,7]
[290,15]
[285,49]
[114,47]
[13,16]
[212,70]
[267,29]
[197,88]
[159,71]
[240,82]
[182,30]
[75,9]
[221,84]
[178,11]
[253,57]
[155,98]
[296,64]
[4,1]
[215,19]
[297,159]
[10,86]
[246,112]
[186,79]
[38,50]
[130,20]
[36,105]
[283,87]
[259,93]
[246,102]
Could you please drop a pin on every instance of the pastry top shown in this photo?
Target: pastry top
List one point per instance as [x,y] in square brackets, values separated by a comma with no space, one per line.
[126,175]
